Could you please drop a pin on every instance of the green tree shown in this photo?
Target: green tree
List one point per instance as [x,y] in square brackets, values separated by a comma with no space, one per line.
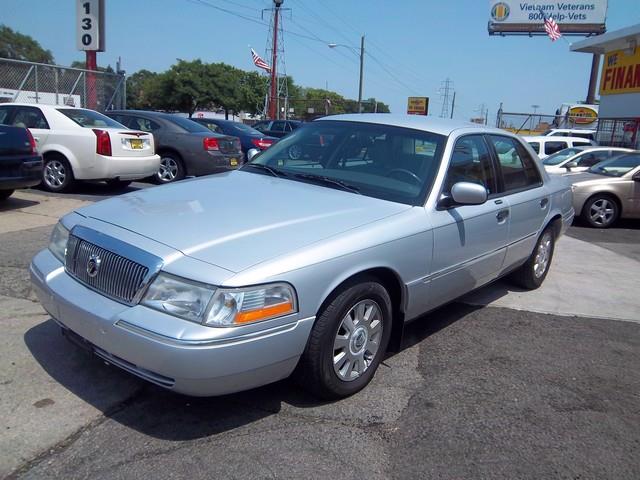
[138,87]
[17,46]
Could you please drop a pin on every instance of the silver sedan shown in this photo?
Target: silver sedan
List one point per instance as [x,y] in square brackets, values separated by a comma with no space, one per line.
[308,260]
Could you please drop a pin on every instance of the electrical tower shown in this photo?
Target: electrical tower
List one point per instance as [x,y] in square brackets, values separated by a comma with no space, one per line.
[277,99]
[446,89]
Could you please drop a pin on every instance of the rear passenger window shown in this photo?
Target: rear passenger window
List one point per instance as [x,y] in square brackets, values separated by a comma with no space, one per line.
[553,147]
[581,144]
[518,168]
[4,115]
[470,162]
[144,124]
[29,117]
[278,126]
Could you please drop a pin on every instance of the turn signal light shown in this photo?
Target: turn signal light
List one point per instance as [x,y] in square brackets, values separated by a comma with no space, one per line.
[265,312]
[103,144]
[210,143]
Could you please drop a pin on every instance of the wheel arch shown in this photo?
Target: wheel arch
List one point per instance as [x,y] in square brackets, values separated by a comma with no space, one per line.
[173,151]
[61,151]
[391,281]
[605,193]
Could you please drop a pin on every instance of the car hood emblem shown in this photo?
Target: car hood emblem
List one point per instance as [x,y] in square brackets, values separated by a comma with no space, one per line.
[93,265]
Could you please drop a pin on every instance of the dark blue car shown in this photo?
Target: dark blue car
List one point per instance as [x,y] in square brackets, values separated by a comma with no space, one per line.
[249,137]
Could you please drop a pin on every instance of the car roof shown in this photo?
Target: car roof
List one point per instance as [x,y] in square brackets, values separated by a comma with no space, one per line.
[440,126]
[46,106]
[577,130]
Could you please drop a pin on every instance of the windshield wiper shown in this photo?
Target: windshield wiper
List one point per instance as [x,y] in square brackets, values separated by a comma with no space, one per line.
[274,172]
[329,181]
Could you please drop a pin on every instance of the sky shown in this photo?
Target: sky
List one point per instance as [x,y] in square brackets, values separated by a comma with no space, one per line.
[413,46]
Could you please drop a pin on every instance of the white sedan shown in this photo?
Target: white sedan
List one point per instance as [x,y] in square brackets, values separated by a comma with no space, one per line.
[82,144]
[579,159]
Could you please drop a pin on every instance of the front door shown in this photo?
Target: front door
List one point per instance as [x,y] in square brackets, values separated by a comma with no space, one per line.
[469,240]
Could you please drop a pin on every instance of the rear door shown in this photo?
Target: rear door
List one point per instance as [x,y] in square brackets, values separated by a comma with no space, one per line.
[522,187]
[33,119]
[469,240]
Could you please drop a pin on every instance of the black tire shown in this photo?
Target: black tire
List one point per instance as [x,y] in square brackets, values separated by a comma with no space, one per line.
[600,211]
[171,168]
[4,194]
[57,174]
[116,184]
[531,274]
[315,371]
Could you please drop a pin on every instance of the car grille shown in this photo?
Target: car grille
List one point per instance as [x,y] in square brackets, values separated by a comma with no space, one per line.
[117,277]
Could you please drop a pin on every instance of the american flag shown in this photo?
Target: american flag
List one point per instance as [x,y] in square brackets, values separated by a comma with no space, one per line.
[259,62]
[552,29]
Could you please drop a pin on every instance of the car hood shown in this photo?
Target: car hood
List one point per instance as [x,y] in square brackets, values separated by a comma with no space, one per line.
[237,219]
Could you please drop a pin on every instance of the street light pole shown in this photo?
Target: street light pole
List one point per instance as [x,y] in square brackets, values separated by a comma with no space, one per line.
[334,45]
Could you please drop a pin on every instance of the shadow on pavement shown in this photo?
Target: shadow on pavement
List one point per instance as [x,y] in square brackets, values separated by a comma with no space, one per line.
[163,414]
[13,203]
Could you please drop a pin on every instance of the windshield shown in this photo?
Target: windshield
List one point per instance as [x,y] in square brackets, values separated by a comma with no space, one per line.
[617,166]
[391,163]
[560,156]
[188,125]
[89,118]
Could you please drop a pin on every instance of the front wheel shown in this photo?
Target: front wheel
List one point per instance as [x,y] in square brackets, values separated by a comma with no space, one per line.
[600,211]
[534,271]
[347,342]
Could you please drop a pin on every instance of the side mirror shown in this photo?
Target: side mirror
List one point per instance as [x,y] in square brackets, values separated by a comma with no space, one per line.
[636,177]
[252,153]
[571,165]
[467,193]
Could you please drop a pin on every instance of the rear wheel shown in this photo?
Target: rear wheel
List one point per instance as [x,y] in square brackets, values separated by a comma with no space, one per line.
[4,194]
[347,342]
[118,184]
[534,271]
[171,168]
[57,175]
[600,211]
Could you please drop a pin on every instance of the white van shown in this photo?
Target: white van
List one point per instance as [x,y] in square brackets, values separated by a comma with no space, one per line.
[546,145]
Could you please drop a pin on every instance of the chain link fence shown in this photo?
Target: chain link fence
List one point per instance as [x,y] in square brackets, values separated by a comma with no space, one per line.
[30,82]
[538,123]
[619,132]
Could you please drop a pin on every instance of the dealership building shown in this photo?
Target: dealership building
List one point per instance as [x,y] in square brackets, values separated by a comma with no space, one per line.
[619,112]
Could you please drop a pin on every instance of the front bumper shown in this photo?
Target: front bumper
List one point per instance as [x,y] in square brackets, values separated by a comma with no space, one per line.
[205,367]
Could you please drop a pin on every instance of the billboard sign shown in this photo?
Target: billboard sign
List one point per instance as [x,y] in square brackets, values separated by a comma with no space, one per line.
[418,105]
[577,17]
[620,73]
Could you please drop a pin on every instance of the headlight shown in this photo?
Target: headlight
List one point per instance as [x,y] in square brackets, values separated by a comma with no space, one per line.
[178,297]
[219,307]
[249,305]
[58,242]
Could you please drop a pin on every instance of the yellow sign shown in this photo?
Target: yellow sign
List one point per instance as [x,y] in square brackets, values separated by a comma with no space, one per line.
[620,73]
[582,115]
[418,105]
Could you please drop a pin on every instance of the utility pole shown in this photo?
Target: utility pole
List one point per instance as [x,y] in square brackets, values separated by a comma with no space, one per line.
[273,95]
[445,90]
[453,103]
[361,73]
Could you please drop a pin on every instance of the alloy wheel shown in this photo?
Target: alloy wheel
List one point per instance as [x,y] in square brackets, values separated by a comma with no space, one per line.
[55,174]
[602,212]
[543,254]
[168,170]
[357,340]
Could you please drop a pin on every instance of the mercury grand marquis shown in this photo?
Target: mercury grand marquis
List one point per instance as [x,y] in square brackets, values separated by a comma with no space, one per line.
[308,260]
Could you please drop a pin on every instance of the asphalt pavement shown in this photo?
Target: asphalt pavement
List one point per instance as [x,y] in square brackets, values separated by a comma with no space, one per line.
[497,391]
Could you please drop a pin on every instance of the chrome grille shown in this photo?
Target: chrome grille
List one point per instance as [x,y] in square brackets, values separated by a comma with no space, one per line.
[117,277]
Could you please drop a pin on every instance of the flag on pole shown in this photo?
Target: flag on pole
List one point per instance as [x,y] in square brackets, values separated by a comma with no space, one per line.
[259,62]
[552,28]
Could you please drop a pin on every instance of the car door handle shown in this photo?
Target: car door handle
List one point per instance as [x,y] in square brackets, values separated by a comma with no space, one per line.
[543,203]
[502,215]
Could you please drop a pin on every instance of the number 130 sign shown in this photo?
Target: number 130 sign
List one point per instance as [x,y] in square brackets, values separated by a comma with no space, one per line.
[90,25]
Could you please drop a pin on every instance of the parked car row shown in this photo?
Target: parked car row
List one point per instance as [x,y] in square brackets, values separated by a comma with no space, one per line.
[80,144]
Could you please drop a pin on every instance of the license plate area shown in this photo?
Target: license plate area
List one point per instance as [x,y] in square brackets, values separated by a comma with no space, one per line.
[136,144]
[233,162]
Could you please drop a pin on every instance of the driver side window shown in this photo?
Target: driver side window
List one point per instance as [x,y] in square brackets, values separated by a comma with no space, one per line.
[470,162]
